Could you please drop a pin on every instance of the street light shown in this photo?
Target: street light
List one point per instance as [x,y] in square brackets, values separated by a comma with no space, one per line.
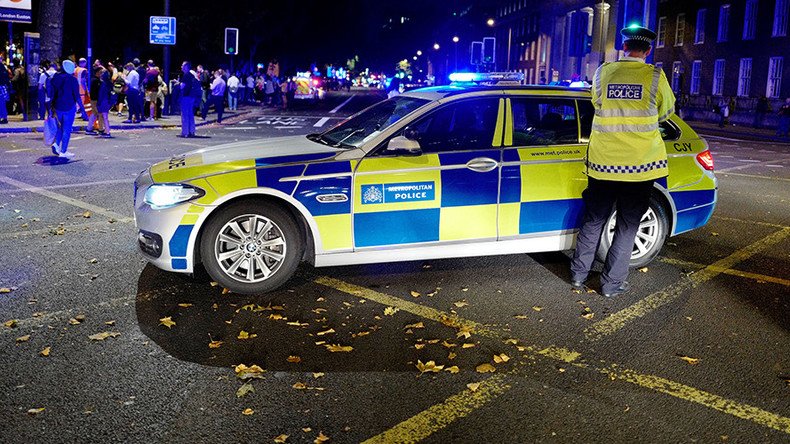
[436,46]
[415,57]
[490,22]
[419,53]
[455,39]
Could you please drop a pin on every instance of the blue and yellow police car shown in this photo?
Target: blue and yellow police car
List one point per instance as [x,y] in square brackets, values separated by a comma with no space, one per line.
[468,169]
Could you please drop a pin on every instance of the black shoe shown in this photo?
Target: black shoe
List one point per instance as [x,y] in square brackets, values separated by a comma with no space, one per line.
[578,286]
[623,288]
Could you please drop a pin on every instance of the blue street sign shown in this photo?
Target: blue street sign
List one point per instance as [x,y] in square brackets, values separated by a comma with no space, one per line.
[162,30]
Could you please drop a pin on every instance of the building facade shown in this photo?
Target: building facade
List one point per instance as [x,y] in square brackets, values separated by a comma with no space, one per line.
[735,51]
[566,39]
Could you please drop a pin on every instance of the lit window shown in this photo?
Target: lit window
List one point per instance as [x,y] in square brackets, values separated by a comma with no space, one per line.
[781,11]
[699,31]
[680,29]
[718,77]
[662,32]
[750,20]
[774,85]
[744,77]
[696,72]
[724,22]
[677,71]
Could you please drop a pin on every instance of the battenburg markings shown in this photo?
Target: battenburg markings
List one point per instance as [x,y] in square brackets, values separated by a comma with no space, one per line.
[398,192]
[624,91]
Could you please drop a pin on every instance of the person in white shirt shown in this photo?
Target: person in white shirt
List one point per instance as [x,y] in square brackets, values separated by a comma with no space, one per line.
[216,97]
[133,95]
[250,88]
[45,93]
[233,92]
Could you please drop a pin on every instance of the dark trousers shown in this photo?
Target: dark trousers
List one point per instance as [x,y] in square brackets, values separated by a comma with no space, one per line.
[219,105]
[631,200]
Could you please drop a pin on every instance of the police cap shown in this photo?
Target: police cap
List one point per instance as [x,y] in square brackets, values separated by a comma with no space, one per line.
[636,32]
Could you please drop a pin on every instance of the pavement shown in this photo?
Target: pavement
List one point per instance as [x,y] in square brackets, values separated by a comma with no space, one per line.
[738,132]
[699,351]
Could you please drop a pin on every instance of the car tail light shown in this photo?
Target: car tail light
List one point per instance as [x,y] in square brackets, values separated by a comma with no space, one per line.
[706,160]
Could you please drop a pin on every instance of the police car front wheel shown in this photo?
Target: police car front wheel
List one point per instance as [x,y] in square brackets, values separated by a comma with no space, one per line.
[251,247]
[650,237]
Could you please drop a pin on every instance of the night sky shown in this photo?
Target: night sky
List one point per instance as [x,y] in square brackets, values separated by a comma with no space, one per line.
[297,33]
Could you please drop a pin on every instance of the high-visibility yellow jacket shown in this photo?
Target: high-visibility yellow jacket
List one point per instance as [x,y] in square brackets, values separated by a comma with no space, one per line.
[630,99]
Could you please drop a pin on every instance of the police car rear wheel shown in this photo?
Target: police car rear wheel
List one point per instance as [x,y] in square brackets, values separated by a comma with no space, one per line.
[251,247]
[649,238]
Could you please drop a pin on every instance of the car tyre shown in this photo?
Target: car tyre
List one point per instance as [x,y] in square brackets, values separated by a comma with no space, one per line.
[652,233]
[251,234]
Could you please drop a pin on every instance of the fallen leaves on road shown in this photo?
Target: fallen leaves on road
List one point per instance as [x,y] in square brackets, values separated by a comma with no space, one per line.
[300,386]
[430,366]
[473,386]
[277,317]
[307,429]
[461,303]
[34,412]
[485,368]
[104,335]
[244,389]
[465,332]
[11,323]
[214,344]
[184,305]
[93,261]
[690,360]
[325,332]
[467,345]
[110,323]
[77,320]
[245,335]
[786,379]
[252,372]
[247,412]
[587,313]
[321,438]
[415,294]
[453,370]
[389,311]
[281,439]
[45,352]
[294,359]
[501,358]
[643,270]
[714,234]
[317,375]
[520,316]
[87,214]
[537,308]
[415,325]
[167,322]
[4,290]
[24,338]
[335,348]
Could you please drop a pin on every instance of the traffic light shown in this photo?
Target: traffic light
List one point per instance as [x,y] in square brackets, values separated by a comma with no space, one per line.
[231,41]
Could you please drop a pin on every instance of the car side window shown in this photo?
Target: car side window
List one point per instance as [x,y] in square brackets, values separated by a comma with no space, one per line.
[586,114]
[544,121]
[465,125]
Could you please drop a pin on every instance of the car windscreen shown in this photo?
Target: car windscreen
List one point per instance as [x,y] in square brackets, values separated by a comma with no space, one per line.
[370,122]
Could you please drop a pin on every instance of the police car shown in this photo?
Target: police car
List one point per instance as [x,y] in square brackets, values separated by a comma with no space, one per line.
[452,171]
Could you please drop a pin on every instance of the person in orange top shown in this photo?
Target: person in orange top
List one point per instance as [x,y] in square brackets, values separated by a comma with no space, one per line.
[81,74]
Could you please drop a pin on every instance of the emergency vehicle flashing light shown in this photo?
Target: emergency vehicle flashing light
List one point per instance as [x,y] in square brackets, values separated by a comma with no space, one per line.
[486,77]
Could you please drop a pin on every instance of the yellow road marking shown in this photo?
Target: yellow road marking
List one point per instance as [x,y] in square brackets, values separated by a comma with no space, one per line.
[755,176]
[403,305]
[616,321]
[730,271]
[691,394]
[439,416]
[462,404]
[749,222]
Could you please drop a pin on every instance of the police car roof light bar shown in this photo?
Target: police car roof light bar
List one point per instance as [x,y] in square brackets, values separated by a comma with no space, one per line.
[491,78]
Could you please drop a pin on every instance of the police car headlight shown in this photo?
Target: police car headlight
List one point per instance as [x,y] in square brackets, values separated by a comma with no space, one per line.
[161,196]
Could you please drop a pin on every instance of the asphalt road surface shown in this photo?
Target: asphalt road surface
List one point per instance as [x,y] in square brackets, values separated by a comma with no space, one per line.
[699,351]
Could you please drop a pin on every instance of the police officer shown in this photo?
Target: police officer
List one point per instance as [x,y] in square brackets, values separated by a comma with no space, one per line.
[624,157]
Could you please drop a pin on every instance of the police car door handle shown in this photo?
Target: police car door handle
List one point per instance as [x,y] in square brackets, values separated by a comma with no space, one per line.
[482,164]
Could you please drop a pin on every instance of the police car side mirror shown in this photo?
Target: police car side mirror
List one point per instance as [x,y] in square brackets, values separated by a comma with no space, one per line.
[402,145]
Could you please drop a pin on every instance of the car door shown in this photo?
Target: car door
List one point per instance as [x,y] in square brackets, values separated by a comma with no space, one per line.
[543,167]
[446,193]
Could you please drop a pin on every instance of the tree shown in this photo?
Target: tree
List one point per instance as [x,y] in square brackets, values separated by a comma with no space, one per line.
[50,26]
